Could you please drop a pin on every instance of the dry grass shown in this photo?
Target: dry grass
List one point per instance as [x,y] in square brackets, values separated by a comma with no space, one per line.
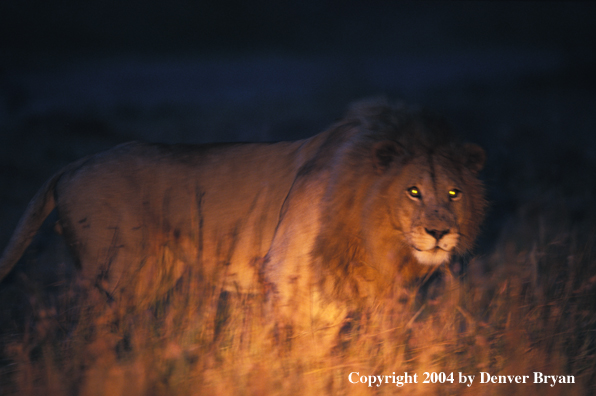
[529,306]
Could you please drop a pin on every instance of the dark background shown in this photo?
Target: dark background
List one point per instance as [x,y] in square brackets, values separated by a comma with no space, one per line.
[77,77]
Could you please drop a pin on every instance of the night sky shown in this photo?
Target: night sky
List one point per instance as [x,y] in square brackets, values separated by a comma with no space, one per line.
[323,27]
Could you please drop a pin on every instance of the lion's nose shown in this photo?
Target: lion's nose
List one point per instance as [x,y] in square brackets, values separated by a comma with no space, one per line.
[437,234]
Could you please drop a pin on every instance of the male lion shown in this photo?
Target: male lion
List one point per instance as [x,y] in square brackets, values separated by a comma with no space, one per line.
[327,223]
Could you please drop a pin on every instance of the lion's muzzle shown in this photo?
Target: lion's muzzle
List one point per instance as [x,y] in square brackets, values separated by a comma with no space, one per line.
[431,246]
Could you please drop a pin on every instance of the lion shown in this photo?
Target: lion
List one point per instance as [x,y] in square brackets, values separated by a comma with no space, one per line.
[323,225]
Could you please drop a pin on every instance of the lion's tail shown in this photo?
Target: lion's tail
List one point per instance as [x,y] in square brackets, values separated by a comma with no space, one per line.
[38,209]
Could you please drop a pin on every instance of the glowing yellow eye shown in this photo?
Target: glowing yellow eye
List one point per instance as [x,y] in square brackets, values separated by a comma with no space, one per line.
[454,194]
[414,192]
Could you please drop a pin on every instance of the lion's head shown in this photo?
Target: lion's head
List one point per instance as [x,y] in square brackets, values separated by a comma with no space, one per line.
[437,202]
[404,196]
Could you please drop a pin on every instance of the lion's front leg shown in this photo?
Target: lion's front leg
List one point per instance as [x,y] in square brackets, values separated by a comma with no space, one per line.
[304,320]
[305,323]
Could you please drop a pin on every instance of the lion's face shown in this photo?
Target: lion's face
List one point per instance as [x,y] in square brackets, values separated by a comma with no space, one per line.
[432,208]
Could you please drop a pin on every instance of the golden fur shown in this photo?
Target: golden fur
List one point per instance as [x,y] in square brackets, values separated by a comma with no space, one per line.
[328,222]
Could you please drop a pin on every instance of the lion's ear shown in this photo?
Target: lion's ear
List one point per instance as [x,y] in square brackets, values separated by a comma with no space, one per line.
[384,153]
[474,157]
